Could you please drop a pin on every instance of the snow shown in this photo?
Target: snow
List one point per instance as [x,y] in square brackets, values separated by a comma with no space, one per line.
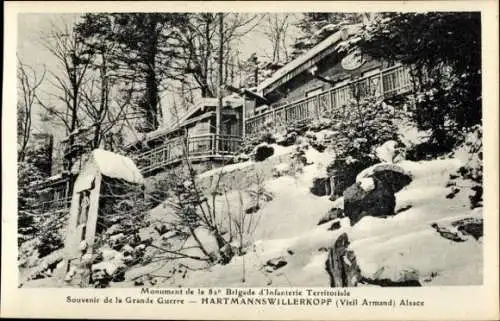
[409,135]
[367,184]
[278,151]
[401,247]
[386,151]
[117,166]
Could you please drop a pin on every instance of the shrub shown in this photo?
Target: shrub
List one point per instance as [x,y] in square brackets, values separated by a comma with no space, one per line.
[364,125]
[49,242]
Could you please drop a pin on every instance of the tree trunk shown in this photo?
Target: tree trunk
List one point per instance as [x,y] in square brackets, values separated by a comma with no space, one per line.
[150,103]
[102,105]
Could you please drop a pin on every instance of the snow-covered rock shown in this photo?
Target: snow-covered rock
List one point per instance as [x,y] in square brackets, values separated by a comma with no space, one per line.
[379,200]
[242,158]
[117,239]
[108,254]
[332,214]
[286,139]
[392,174]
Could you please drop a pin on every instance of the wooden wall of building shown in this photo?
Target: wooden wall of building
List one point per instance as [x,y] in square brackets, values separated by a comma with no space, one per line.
[298,87]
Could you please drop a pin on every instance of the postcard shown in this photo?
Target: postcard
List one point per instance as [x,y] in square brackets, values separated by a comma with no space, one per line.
[251,160]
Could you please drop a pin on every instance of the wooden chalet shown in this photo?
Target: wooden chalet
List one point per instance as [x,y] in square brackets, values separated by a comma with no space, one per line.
[194,136]
[320,81]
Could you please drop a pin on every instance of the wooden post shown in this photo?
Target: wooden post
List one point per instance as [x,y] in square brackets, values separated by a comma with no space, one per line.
[220,81]
[243,119]
[381,87]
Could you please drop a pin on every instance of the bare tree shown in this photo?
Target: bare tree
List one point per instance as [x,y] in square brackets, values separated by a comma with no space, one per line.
[276,32]
[199,44]
[28,83]
[74,64]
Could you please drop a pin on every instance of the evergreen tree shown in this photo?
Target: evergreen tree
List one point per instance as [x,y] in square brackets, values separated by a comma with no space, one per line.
[32,169]
[317,26]
[142,55]
[444,51]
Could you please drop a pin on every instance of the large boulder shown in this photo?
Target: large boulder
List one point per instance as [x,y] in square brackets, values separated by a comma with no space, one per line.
[369,197]
[392,174]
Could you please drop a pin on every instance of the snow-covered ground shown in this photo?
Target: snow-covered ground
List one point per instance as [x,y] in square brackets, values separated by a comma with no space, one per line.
[286,229]
[386,248]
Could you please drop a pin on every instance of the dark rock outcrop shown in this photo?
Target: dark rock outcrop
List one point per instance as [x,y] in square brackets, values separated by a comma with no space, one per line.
[377,201]
[335,226]
[459,230]
[274,264]
[321,186]
[262,152]
[447,233]
[470,226]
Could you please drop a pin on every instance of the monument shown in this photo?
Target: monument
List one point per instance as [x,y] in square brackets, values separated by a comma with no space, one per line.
[87,201]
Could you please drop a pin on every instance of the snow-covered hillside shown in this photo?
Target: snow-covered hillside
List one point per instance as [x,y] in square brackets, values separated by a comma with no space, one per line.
[396,248]
[286,246]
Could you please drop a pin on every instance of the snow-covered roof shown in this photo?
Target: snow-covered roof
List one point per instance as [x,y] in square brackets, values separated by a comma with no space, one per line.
[304,61]
[231,100]
[117,166]
[107,164]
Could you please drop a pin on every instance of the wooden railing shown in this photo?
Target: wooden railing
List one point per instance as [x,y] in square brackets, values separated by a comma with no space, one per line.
[194,147]
[388,83]
[55,205]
